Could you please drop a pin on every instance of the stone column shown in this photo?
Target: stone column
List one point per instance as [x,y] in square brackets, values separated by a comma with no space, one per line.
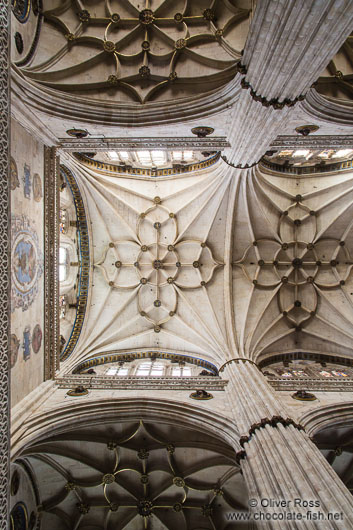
[4,263]
[278,459]
[288,46]
[51,258]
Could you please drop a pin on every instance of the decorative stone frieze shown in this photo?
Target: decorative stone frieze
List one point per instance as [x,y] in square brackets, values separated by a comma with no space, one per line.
[141,383]
[213,143]
[4,264]
[51,259]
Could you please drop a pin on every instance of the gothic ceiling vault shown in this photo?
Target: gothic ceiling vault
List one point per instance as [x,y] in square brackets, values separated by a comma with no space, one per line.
[214,262]
[138,50]
[135,476]
[292,263]
[158,249]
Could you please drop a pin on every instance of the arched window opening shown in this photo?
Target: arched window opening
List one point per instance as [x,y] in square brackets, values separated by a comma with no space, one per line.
[63,263]
[181,371]
[150,368]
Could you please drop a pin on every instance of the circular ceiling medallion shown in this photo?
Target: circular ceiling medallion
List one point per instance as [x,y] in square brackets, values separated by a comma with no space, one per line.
[108,478]
[78,391]
[146,17]
[305,130]
[77,133]
[24,262]
[302,395]
[19,517]
[201,395]
[21,9]
[202,131]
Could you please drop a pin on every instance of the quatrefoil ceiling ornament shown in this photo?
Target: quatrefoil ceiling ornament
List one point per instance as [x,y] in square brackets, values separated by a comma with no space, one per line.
[142,46]
[298,264]
[158,265]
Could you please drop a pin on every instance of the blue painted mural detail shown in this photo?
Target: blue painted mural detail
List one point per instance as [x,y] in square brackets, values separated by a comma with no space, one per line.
[19,517]
[26,263]
[26,343]
[27,182]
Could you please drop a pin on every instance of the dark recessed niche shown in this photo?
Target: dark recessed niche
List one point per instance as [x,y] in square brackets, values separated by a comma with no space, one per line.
[35,7]
[19,42]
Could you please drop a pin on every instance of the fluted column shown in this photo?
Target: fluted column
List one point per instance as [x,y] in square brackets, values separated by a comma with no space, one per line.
[279,461]
[289,45]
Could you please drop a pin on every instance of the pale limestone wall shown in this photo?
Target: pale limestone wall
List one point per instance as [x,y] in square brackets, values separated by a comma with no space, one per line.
[297,408]
[27,276]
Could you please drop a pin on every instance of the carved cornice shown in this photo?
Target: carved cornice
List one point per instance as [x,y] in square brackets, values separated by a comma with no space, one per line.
[51,254]
[305,355]
[84,263]
[214,143]
[318,141]
[264,422]
[309,170]
[146,172]
[113,357]
[141,383]
[326,385]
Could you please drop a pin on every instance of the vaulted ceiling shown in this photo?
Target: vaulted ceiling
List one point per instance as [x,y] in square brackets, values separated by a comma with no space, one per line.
[139,51]
[133,476]
[218,263]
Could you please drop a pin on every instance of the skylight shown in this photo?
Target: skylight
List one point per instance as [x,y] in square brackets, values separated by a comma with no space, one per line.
[301,152]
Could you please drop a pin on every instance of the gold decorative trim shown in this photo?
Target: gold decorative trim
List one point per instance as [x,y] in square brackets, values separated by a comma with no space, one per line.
[145,172]
[84,260]
[113,357]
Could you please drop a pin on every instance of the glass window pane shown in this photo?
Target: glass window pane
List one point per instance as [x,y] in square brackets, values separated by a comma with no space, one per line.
[157,369]
[62,273]
[188,155]
[112,371]
[186,371]
[176,372]
[62,254]
[123,371]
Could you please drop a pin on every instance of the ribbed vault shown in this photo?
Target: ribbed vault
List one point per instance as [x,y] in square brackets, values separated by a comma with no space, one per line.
[292,261]
[139,52]
[133,476]
[158,262]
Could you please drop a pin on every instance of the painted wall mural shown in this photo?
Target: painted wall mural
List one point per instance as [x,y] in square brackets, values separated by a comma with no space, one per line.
[27,263]
[15,183]
[37,338]
[37,188]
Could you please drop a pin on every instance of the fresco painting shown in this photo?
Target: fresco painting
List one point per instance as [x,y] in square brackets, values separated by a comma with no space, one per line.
[27,262]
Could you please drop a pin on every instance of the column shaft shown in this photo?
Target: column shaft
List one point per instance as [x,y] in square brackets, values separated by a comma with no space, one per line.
[279,461]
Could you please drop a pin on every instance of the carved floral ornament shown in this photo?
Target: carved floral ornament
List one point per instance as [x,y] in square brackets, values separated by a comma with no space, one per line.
[141,49]
[157,264]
